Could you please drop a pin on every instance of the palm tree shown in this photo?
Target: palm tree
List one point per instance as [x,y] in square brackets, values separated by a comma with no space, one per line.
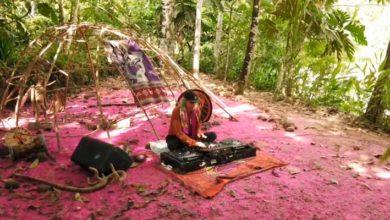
[380,95]
[250,48]
[198,32]
[313,19]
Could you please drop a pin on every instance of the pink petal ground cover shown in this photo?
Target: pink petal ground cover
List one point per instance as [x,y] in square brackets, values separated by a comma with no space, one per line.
[326,178]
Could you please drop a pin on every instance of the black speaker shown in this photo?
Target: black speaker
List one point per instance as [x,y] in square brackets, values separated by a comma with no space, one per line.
[99,155]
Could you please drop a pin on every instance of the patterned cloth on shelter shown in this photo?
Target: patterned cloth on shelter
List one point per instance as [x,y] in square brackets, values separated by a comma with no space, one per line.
[138,71]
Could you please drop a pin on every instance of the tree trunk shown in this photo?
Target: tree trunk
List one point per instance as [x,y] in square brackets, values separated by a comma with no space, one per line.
[166,43]
[228,43]
[218,38]
[61,12]
[198,32]
[75,11]
[376,106]
[250,48]
[33,9]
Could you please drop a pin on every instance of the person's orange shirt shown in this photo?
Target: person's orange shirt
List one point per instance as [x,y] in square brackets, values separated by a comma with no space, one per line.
[176,128]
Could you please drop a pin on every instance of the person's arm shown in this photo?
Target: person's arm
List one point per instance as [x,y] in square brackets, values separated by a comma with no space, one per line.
[199,133]
[177,129]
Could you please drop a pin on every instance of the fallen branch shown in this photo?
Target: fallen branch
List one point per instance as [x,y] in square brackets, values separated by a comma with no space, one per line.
[116,175]
[112,104]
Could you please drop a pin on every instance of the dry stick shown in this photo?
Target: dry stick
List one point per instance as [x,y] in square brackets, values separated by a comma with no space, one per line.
[102,182]
[2,123]
[143,109]
[27,73]
[97,74]
[113,104]
[22,54]
[56,130]
[58,69]
[24,79]
[95,78]
[165,80]
[174,75]
[168,85]
[55,122]
[70,56]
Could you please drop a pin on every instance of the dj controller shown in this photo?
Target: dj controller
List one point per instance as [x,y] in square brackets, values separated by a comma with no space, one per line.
[189,160]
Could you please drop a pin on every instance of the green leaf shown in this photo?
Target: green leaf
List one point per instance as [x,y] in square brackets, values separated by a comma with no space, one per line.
[78,197]
[34,164]
[45,9]
[357,32]
[383,75]
[385,156]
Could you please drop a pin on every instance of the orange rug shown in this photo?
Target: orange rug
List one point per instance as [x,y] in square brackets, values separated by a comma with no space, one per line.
[209,181]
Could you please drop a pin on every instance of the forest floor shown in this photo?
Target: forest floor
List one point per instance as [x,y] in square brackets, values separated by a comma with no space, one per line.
[333,170]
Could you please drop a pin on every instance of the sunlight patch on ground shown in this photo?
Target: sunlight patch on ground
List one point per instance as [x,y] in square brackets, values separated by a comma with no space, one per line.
[234,110]
[367,170]
[264,127]
[118,132]
[123,123]
[294,136]
[381,173]
[71,125]
[364,157]
[11,122]
[357,167]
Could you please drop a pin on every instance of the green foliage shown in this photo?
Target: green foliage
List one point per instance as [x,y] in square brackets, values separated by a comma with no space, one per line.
[385,156]
[341,26]
[308,41]
[46,10]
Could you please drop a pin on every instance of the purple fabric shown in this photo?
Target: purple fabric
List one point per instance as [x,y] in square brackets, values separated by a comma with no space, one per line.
[150,72]
[138,70]
[192,125]
[136,66]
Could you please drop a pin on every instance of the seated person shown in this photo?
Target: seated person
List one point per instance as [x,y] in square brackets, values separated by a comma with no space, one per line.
[185,129]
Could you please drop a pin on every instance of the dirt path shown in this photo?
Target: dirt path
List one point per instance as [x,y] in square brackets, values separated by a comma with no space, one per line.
[332,172]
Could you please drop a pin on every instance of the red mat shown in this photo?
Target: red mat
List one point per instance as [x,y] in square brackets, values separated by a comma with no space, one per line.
[208,182]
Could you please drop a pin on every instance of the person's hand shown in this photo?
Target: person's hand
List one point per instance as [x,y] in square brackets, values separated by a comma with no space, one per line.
[200,144]
[202,136]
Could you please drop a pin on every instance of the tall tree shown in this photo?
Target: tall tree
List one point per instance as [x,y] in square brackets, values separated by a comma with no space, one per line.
[75,11]
[229,30]
[61,12]
[166,43]
[198,33]
[32,9]
[379,97]
[250,48]
[218,38]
